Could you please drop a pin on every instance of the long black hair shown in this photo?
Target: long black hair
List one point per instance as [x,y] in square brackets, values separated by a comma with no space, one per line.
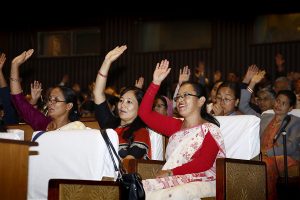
[70,97]
[201,92]
[137,122]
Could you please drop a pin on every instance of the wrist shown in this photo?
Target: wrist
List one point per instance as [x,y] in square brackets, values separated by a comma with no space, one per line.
[156,82]
[170,173]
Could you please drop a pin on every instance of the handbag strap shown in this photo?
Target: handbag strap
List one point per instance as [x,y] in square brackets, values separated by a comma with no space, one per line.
[112,151]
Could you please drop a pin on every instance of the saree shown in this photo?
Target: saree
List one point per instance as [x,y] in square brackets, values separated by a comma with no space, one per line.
[181,147]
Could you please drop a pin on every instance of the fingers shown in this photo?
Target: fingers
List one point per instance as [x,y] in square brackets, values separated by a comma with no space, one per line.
[2,58]
[28,53]
[36,85]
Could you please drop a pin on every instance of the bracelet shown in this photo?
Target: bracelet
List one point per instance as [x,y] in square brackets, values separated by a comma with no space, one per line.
[249,89]
[170,173]
[15,79]
[104,76]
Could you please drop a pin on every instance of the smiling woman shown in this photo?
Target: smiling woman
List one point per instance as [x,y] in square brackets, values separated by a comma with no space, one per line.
[194,143]
[62,102]
[134,140]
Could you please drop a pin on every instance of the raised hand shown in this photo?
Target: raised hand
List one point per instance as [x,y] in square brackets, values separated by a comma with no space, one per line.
[20,59]
[139,83]
[36,92]
[115,53]
[161,72]
[252,70]
[2,60]
[258,77]
[184,74]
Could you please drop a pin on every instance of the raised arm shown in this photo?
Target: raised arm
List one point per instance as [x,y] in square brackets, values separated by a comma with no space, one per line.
[255,77]
[36,92]
[184,75]
[139,83]
[153,119]
[10,115]
[101,79]
[15,80]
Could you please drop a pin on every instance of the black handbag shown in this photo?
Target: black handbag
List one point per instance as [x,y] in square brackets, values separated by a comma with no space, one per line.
[130,183]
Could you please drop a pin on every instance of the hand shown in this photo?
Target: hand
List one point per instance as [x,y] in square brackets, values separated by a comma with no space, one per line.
[115,53]
[164,173]
[2,60]
[184,75]
[139,83]
[252,70]
[20,59]
[258,77]
[36,91]
[217,110]
[161,72]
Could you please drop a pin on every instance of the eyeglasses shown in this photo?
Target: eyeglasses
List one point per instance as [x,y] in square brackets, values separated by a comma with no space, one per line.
[184,96]
[225,100]
[54,100]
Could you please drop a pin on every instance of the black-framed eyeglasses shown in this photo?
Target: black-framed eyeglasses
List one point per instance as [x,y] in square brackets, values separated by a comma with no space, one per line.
[184,96]
[54,100]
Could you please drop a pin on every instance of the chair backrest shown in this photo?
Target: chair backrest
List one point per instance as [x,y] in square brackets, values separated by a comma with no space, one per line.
[75,154]
[240,132]
[241,179]
[241,136]
[66,189]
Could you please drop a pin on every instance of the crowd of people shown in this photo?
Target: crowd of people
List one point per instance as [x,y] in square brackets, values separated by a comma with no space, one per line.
[188,119]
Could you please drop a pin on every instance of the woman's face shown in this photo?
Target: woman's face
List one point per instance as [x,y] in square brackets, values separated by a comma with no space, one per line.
[226,98]
[56,104]
[213,92]
[282,105]
[160,107]
[187,101]
[128,107]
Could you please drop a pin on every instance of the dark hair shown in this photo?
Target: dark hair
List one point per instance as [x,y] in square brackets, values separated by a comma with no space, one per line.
[290,95]
[234,86]
[201,91]
[137,122]
[163,99]
[70,97]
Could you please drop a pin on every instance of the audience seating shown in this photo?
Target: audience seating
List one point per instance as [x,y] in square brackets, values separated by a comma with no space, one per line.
[236,179]
[241,135]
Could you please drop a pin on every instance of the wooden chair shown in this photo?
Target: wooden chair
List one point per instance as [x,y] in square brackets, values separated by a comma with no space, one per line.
[28,131]
[66,189]
[241,179]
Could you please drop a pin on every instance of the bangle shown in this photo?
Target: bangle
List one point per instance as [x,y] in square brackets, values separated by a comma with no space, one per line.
[249,89]
[104,76]
[15,79]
